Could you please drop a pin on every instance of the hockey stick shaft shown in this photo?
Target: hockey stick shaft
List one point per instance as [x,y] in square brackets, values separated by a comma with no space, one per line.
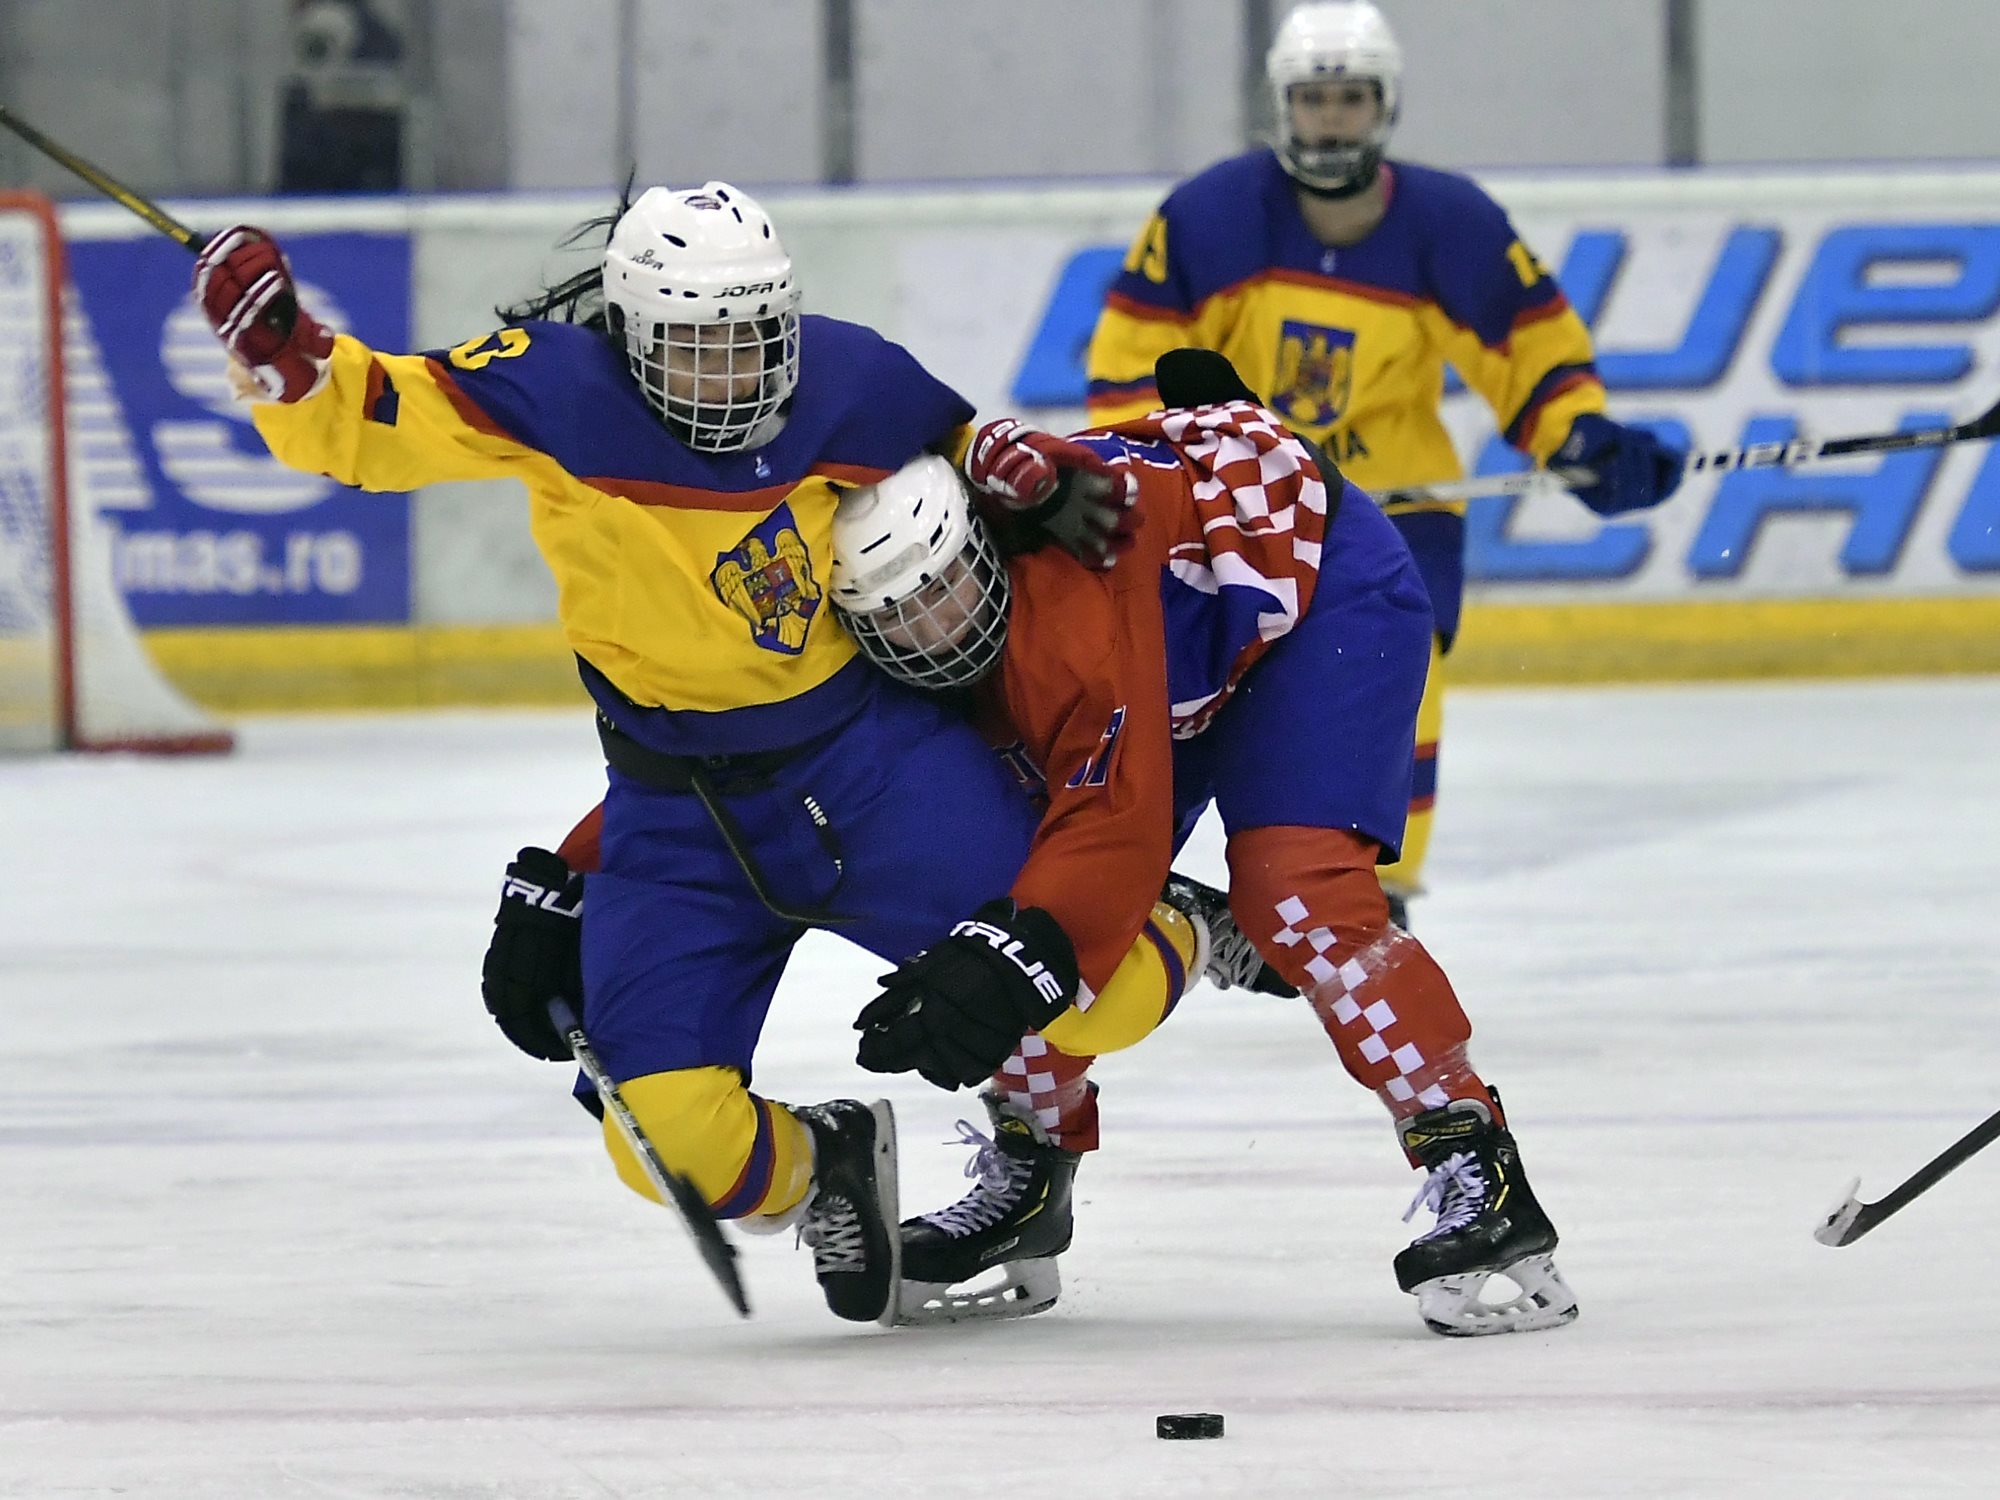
[1753,456]
[106,184]
[1853,1218]
[716,1251]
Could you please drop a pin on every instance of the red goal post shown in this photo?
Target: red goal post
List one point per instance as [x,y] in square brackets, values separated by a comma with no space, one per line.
[74,671]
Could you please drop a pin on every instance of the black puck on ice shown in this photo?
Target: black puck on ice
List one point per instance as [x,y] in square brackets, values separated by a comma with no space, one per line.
[1189,1424]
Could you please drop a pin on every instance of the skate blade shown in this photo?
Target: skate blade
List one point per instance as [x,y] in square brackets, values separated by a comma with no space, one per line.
[886,1195]
[1454,1306]
[1834,1227]
[1024,1289]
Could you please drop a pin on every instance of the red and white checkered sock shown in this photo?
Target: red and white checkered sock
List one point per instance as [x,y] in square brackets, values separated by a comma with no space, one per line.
[1048,1084]
[1308,898]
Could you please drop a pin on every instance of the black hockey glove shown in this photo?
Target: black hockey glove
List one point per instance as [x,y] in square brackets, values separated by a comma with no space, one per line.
[536,952]
[958,1009]
[1093,517]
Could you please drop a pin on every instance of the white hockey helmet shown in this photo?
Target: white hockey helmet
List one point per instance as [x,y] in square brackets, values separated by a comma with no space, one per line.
[1335,40]
[917,579]
[702,293]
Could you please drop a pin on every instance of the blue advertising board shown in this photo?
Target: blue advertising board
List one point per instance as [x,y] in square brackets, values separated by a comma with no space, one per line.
[206,527]
[1723,329]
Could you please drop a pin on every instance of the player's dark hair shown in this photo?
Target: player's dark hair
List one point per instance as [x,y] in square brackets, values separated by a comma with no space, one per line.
[577,299]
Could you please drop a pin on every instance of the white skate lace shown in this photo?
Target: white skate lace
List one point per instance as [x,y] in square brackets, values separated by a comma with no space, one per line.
[1232,958]
[1001,1178]
[1456,1189]
[834,1232]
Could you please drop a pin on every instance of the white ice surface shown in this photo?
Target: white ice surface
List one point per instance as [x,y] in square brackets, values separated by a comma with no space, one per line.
[281,1215]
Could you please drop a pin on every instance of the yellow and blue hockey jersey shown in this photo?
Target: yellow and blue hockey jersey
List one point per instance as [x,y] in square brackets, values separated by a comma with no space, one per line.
[691,585]
[1348,344]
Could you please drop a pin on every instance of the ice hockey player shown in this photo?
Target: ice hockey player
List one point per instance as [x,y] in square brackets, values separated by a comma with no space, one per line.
[535,952]
[1340,284]
[682,456]
[1264,647]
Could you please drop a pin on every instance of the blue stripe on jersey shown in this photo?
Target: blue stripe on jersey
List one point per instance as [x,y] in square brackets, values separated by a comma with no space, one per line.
[861,401]
[1169,957]
[755,1180]
[1424,781]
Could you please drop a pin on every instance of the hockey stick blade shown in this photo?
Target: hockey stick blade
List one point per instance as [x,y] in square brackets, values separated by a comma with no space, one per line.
[1851,1218]
[1981,428]
[1843,1226]
[716,1251]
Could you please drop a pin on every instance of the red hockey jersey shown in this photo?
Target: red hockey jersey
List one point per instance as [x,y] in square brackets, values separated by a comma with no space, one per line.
[1103,670]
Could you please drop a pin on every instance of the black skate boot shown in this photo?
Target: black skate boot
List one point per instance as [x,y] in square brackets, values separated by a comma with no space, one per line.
[1231,958]
[1488,1224]
[850,1217]
[1399,908]
[1016,1218]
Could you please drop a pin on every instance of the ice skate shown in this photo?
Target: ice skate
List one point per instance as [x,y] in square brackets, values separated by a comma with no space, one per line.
[1399,907]
[1232,960]
[1015,1221]
[1488,1224]
[850,1218]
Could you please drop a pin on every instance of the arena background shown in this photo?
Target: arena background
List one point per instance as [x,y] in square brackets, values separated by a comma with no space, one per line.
[284,1216]
[967,182]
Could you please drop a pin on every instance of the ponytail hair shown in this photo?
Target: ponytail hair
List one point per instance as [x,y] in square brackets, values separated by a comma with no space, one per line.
[580,298]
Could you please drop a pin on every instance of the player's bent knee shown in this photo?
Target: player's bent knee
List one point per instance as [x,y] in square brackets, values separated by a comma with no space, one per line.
[744,1154]
[1142,992]
[1277,873]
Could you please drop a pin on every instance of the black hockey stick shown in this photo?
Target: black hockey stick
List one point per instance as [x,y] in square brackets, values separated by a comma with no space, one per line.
[716,1251]
[1853,1218]
[106,184]
[283,309]
[1756,456]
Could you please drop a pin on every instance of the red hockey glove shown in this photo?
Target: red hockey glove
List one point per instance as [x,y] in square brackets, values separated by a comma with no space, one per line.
[244,285]
[1084,503]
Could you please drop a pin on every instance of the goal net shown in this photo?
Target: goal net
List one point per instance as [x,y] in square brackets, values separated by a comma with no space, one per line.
[74,672]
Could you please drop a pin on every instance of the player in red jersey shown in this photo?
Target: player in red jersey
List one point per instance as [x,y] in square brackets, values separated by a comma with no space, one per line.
[1263,647]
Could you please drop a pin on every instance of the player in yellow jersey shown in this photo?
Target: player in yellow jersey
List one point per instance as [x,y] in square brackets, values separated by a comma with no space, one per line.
[1340,284]
[683,458]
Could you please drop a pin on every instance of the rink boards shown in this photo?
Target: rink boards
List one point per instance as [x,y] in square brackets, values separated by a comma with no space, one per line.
[1728,308]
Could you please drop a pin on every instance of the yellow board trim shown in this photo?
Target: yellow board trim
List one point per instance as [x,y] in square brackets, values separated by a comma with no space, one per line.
[1503,645]
[435,666]
[368,667]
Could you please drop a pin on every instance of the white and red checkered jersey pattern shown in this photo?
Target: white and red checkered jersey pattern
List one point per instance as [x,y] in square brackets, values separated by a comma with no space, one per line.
[1260,510]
